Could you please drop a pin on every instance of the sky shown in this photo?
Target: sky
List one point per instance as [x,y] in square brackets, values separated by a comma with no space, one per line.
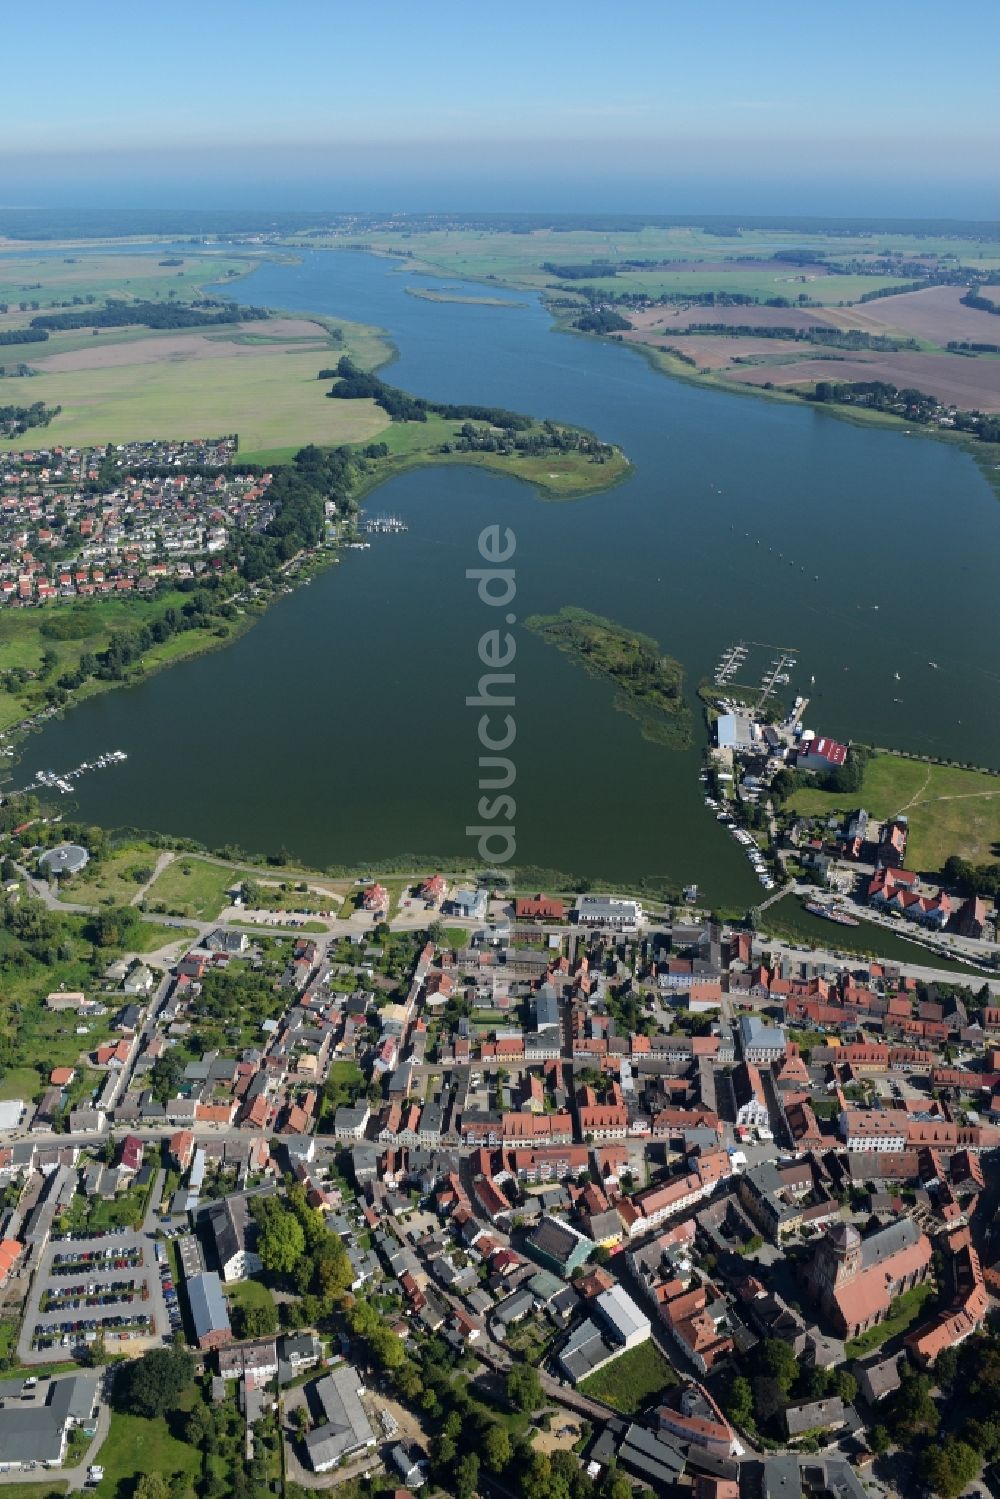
[638,105]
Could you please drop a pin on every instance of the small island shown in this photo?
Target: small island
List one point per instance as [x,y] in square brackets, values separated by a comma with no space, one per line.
[649,686]
[448,294]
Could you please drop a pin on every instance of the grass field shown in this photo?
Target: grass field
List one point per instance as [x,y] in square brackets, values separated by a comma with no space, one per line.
[112,878]
[269,398]
[903,1313]
[951,811]
[21,1082]
[631,1381]
[136,1445]
[151,935]
[48,279]
[192,887]
[518,258]
[249,1293]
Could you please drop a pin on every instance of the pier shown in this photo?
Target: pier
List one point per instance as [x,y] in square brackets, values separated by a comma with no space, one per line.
[384,525]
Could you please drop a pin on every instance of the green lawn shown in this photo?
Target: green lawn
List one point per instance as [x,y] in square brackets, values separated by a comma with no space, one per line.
[150,935]
[21,1082]
[192,887]
[40,1490]
[136,1445]
[950,811]
[904,1312]
[249,1293]
[630,1382]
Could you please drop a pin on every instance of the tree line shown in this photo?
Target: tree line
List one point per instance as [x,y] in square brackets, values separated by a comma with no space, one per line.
[23,336]
[602,321]
[149,315]
[836,338]
[17,419]
[356,384]
[914,405]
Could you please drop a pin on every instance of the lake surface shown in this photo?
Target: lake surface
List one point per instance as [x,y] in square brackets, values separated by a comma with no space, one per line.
[337,727]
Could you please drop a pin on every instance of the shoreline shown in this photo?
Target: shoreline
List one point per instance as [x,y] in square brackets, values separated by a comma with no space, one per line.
[673,368]
[663,362]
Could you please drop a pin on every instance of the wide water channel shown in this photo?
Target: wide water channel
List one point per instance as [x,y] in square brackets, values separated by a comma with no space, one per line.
[337,726]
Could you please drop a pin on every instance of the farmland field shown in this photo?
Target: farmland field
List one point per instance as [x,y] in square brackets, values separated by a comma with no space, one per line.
[936,315]
[971,384]
[267,396]
[951,811]
[284,335]
[47,280]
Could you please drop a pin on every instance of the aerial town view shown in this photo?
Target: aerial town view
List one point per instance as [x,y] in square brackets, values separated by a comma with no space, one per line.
[499,752]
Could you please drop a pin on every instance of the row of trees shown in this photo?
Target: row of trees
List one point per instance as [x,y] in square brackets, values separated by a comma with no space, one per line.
[913,405]
[972,879]
[15,420]
[298,492]
[355,384]
[149,315]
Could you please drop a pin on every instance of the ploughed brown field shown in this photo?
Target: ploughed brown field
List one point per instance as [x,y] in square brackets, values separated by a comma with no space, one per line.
[713,351]
[936,315]
[214,343]
[970,384]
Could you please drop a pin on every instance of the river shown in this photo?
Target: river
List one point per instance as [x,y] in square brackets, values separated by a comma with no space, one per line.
[337,726]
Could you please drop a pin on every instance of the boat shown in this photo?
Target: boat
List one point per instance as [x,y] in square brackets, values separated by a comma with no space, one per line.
[829,914]
[934,664]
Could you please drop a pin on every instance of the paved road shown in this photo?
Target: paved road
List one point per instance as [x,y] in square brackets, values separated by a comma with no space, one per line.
[841,959]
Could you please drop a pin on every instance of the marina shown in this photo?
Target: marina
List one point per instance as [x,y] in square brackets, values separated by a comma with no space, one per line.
[63,781]
[776,674]
[383,525]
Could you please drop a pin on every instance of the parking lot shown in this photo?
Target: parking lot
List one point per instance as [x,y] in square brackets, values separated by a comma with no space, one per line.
[106,1285]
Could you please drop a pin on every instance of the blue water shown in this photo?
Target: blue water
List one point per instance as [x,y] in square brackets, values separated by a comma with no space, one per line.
[337,727]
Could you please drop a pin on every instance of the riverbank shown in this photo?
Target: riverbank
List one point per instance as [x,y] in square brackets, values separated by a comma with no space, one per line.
[23,637]
[985,455]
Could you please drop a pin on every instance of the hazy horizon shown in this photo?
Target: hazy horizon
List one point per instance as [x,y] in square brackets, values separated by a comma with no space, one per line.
[560,109]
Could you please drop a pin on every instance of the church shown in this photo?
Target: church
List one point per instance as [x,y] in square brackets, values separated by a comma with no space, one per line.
[855,1280]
